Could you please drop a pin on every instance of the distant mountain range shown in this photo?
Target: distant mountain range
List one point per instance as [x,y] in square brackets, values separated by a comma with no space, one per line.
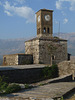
[12,46]
[71,41]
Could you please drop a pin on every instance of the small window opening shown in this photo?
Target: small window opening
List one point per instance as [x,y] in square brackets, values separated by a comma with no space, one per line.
[53,57]
[4,59]
[44,30]
[48,30]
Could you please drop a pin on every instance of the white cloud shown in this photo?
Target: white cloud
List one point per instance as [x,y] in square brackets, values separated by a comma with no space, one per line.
[8,13]
[59,4]
[23,11]
[72,5]
[65,21]
[20,1]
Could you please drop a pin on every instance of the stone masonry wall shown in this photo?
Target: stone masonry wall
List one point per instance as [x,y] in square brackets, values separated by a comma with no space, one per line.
[10,60]
[66,67]
[32,47]
[17,59]
[27,75]
[59,51]
[39,48]
[25,59]
[43,23]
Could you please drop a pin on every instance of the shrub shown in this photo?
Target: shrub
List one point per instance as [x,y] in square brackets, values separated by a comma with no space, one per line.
[13,88]
[54,70]
[46,72]
[62,98]
[27,86]
[5,88]
[1,79]
[3,84]
[50,72]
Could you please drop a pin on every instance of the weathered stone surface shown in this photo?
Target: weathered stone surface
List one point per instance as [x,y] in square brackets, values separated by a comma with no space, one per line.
[45,92]
[28,74]
[32,47]
[66,67]
[17,59]
[42,53]
[43,24]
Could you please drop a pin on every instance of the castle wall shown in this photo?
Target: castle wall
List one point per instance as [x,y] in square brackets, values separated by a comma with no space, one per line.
[66,67]
[41,52]
[28,75]
[17,59]
[32,47]
[10,60]
[59,51]
[25,59]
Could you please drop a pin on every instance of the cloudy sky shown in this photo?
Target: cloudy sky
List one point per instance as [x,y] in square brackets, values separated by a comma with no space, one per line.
[18,20]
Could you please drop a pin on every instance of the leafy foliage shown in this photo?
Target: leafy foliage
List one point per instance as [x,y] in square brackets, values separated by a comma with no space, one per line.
[54,71]
[62,98]
[12,88]
[50,72]
[6,88]
[27,86]
[3,84]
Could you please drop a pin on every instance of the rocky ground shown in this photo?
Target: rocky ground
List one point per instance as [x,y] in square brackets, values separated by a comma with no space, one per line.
[44,92]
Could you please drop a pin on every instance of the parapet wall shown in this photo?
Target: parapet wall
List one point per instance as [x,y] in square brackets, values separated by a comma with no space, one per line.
[17,59]
[66,67]
[27,75]
[18,74]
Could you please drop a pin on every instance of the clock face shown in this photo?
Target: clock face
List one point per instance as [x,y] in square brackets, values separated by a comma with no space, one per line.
[47,17]
[39,18]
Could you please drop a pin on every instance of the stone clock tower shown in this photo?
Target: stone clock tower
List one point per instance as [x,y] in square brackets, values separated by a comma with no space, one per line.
[45,48]
[44,21]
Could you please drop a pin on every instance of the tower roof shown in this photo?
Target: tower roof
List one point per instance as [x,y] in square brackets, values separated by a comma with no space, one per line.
[44,10]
